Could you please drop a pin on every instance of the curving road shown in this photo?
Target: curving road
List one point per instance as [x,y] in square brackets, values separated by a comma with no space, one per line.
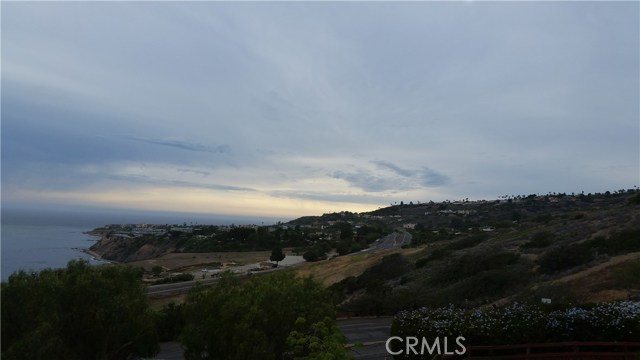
[391,241]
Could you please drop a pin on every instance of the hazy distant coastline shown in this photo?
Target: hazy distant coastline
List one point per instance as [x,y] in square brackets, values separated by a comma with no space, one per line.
[34,239]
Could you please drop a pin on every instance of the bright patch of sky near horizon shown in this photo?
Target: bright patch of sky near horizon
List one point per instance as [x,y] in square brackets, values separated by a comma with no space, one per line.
[297,108]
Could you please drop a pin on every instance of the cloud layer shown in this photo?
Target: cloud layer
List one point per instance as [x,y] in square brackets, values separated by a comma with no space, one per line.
[309,107]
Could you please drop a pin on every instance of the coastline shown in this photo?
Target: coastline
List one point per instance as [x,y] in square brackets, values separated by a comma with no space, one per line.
[95,256]
[34,246]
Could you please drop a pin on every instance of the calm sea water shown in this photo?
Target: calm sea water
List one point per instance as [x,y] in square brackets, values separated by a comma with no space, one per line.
[35,247]
[33,240]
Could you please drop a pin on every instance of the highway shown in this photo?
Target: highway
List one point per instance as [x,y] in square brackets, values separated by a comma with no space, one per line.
[164,290]
[391,241]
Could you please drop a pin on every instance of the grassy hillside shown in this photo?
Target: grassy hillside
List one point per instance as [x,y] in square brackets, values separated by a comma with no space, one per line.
[580,248]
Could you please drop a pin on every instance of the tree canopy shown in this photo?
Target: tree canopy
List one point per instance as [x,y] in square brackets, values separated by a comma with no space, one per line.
[265,317]
[81,312]
[277,255]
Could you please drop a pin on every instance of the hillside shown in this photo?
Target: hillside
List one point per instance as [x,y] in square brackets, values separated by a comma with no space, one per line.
[567,248]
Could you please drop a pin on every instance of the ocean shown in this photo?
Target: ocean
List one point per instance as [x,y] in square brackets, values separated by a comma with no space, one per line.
[33,240]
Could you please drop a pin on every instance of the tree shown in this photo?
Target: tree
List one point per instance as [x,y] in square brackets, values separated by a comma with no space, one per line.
[320,341]
[311,255]
[81,312]
[254,318]
[156,270]
[277,255]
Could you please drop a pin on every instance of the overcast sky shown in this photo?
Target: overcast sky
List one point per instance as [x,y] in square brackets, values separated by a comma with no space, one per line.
[295,108]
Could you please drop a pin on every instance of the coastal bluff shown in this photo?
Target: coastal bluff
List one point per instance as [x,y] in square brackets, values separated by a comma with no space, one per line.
[122,248]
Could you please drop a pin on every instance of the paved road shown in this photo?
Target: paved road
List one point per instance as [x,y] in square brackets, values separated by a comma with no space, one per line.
[371,332]
[391,241]
[164,290]
[182,287]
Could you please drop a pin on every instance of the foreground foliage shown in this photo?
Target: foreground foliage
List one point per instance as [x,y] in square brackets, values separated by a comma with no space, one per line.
[519,324]
[265,317]
[81,312]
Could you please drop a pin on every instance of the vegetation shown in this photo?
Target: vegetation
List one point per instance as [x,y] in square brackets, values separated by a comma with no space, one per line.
[81,312]
[174,278]
[271,317]
[569,256]
[521,323]
[277,255]
[468,254]
[86,312]
[483,252]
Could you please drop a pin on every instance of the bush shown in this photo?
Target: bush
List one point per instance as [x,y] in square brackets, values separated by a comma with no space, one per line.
[623,242]
[468,242]
[539,240]
[174,278]
[170,321]
[422,262]
[389,267]
[263,317]
[470,265]
[519,324]
[564,257]
[311,255]
[628,274]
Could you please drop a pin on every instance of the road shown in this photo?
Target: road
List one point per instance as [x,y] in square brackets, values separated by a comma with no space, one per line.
[164,290]
[171,289]
[391,241]
[371,332]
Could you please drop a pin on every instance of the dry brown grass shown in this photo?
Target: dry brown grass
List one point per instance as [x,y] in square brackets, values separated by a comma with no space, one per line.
[186,261]
[331,271]
[598,283]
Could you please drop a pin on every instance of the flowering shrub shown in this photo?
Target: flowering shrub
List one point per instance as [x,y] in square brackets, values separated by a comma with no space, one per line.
[519,323]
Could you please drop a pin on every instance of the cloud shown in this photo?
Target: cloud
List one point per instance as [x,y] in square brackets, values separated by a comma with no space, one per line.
[364,180]
[198,172]
[185,145]
[393,178]
[395,168]
[331,197]
[295,99]
[432,178]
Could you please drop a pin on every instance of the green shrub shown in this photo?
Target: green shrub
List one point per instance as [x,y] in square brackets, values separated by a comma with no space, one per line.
[468,242]
[539,240]
[422,262]
[81,312]
[564,257]
[266,317]
[174,278]
[389,267]
[170,321]
[436,254]
[472,264]
[628,274]
[519,324]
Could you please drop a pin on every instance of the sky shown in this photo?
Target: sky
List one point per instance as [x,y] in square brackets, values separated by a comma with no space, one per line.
[288,109]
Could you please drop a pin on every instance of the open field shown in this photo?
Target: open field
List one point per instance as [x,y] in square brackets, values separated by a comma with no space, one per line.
[194,261]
